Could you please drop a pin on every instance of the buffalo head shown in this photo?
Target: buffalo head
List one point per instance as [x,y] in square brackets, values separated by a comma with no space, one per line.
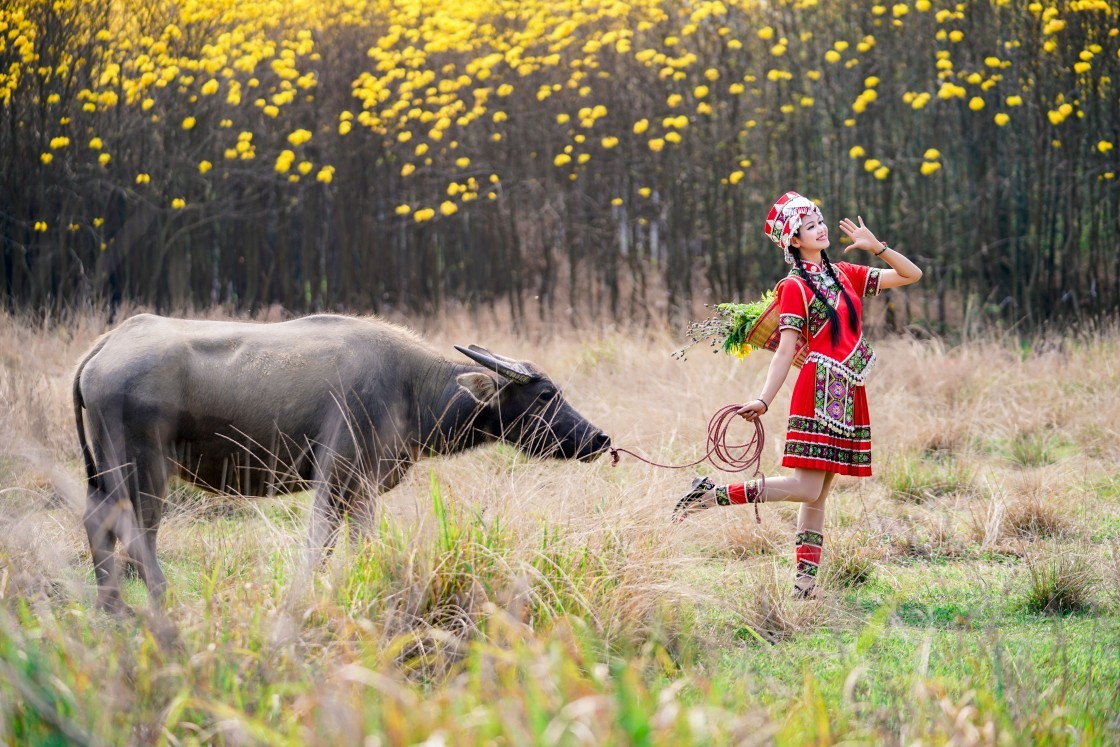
[523,407]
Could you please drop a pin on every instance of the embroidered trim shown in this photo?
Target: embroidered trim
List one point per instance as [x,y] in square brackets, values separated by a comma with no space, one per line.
[833,401]
[809,537]
[827,453]
[791,321]
[855,368]
[811,427]
[872,286]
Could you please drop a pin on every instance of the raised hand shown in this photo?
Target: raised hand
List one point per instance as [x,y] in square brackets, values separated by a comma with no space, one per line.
[861,236]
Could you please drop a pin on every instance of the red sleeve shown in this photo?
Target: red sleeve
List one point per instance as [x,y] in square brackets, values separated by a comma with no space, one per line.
[864,279]
[791,305]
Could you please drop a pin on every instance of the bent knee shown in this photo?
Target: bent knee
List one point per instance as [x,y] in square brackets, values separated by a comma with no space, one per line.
[809,491]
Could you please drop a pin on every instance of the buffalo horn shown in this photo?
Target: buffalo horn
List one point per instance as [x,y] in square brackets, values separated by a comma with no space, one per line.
[512,370]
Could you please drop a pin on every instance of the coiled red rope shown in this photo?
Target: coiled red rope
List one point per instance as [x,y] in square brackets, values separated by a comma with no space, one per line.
[722,455]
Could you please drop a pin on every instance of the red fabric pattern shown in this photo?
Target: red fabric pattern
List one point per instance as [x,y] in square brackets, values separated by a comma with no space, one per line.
[810,442]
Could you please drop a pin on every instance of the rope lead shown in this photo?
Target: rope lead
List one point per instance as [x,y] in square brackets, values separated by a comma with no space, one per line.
[722,455]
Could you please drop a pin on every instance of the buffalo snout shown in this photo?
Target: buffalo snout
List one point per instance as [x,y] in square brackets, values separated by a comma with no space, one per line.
[594,447]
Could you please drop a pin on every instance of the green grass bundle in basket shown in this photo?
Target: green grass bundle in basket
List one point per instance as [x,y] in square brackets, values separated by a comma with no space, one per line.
[739,328]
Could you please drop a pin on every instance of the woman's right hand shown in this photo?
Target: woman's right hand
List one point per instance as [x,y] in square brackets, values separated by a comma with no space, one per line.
[752,409]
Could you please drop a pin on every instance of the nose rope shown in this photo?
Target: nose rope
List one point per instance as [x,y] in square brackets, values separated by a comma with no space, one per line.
[722,455]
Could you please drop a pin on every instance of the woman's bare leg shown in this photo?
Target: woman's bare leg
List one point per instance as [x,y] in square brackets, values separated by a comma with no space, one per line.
[803,486]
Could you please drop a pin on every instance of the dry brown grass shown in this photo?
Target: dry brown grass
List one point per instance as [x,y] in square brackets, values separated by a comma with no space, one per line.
[936,404]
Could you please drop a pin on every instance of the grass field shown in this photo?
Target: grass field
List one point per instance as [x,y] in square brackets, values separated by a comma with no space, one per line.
[971,589]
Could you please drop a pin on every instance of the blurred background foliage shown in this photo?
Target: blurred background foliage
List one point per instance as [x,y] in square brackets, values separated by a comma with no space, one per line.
[583,159]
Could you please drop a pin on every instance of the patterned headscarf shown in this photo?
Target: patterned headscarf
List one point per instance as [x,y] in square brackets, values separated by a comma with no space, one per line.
[784,220]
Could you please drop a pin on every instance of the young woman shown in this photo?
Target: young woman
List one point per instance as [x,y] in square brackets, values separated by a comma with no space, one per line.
[829,432]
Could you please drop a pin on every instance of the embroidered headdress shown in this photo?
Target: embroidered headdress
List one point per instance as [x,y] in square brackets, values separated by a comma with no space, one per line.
[784,219]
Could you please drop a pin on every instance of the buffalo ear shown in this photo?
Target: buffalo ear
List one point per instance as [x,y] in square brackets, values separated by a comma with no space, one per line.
[482,387]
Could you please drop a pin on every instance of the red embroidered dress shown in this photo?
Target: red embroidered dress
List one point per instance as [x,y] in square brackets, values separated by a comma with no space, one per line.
[829,426]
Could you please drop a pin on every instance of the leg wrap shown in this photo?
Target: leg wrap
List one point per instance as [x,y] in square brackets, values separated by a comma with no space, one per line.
[808,554]
[745,492]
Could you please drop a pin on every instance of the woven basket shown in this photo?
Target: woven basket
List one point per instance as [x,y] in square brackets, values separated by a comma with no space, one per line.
[765,335]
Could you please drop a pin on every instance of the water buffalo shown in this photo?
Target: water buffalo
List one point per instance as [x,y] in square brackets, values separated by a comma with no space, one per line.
[338,405]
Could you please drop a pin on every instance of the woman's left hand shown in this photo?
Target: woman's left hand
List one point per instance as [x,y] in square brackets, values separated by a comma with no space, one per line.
[861,236]
[752,409]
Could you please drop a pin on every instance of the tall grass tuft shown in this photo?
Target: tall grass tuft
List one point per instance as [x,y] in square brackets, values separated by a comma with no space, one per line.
[850,558]
[1059,583]
[772,614]
[1035,448]
[918,477]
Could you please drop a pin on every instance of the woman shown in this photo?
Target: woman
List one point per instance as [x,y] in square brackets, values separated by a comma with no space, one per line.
[829,431]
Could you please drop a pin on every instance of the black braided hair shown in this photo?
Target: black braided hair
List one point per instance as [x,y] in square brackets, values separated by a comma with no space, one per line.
[853,320]
[833,317]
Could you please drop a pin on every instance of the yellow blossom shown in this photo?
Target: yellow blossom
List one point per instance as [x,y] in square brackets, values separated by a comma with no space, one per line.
[932,154]
[403,209]
[143,178]
[59,142]
[563,159]
[871,164]
[928,167]
[1014,100]
[424,214]
[41,226]
[188,123]
[735,177]
[95,143]
[645,191]
[178,203]
[1104,146]
[976,103]
[882,172]
[656,145]
[407,169]
[204,166]
[609,142]
[1001,119]
[46,158]
[448,208]
[104,159]
[299,137]
[856,151]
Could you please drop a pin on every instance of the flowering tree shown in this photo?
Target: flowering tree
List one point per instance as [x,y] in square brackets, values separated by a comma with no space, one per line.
[607,158]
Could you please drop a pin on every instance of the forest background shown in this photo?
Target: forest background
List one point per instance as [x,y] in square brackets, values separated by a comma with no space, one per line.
[600,160]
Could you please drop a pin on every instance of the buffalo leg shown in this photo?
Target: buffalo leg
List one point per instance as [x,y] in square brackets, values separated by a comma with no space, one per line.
[327,512]
[148,487]
[100,518]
